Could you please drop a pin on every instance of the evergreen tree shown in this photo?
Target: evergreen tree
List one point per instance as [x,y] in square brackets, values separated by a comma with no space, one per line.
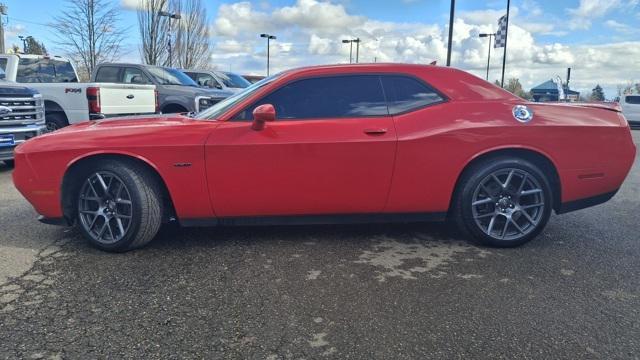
[597,94]
[35,47]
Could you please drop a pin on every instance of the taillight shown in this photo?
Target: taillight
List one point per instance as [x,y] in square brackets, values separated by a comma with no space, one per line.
[93,99]
[157,102]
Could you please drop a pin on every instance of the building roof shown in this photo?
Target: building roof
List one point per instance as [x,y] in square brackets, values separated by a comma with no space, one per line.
[550,87]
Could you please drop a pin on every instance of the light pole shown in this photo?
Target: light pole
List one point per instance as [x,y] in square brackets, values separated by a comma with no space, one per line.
[350,42]
[451,14]
[170,16]
[24,42]
[269,38]
[489,56]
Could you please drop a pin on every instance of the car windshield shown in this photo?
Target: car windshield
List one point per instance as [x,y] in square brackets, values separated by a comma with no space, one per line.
[215,111]
[169,76]
[233,80]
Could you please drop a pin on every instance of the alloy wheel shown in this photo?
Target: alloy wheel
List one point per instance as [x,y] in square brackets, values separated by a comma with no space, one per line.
[105,207]
[508,204]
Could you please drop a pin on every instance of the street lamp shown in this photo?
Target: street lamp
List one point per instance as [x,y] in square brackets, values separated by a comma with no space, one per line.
[350,42]
[489,57]
[24,42]
[170,16]
[269,38]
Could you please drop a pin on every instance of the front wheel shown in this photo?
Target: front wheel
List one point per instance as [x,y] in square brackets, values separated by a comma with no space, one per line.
[119,206]
[503,202]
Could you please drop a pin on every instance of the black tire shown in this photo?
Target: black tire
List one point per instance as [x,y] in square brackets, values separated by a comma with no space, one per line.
[144,211]
[475,187]
[10,163]
[56,121]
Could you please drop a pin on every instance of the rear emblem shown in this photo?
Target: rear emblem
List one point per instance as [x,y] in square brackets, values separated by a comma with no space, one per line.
[522,113]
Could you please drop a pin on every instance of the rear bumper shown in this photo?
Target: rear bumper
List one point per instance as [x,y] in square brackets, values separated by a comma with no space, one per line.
[585,203]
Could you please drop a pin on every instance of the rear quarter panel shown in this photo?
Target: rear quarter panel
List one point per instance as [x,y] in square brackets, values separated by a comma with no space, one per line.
[590,149]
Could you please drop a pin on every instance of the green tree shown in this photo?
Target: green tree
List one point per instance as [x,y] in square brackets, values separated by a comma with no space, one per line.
[35,47]
[515,87]
[597,94]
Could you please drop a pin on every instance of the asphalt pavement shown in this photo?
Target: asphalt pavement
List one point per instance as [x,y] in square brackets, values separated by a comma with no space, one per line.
[314,292]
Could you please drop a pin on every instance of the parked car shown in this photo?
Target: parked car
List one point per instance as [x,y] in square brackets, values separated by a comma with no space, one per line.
[67,101]
[631,109]
[218,80]
[177,93]
[21,117]
[253,78]
[328,144]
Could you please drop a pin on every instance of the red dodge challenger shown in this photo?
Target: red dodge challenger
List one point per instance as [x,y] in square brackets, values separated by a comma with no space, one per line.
[329,144]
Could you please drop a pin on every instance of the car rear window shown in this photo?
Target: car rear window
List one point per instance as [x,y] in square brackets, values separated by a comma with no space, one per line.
[632,99]
[325,98]
[406,93]
[109,74]
[43,70]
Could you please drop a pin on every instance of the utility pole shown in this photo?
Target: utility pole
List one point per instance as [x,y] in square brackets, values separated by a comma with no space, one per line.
[451,15]
[357,40]
[3,11]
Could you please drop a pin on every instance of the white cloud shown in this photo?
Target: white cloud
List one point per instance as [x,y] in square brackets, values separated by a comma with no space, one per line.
[309,32]
[620,27]
[588,10]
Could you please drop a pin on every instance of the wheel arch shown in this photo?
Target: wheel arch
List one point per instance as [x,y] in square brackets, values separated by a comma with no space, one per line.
[172,106]
[51,106]
[70,180]
[536,156]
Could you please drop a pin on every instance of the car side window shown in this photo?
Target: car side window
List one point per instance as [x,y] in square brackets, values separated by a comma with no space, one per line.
[110,74]
[325,98]
[632,99]
[206,80]
[406,93]
[134,76]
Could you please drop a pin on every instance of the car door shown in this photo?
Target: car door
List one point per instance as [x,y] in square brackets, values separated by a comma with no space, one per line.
[631,107]
[330,151]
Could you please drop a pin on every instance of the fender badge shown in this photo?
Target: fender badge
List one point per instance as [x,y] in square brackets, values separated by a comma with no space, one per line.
[522,113]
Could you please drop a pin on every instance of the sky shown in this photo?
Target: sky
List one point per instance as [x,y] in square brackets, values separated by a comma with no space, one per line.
[598,39]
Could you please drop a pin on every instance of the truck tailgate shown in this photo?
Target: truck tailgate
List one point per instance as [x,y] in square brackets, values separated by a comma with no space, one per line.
[118,99]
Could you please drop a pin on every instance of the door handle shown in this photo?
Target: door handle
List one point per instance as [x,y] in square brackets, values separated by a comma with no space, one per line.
[376,131]
[130,96]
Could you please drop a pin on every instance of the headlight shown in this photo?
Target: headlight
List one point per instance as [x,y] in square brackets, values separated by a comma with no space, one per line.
[204,103]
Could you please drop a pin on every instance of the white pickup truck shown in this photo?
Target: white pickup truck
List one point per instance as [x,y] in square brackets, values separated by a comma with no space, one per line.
[66,100]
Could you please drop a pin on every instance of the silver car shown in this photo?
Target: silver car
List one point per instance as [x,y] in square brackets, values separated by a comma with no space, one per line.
[222,80]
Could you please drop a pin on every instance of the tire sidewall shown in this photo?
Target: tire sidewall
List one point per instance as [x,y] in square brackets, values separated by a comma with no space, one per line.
[480,172]
[124,172]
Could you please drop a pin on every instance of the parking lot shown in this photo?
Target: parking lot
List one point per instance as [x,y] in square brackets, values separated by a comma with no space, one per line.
[359,291]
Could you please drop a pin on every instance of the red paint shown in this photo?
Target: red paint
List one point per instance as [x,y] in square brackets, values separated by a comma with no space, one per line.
[406,163]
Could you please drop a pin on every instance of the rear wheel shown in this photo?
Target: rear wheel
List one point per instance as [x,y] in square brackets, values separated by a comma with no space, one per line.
[503,202]
[119,206]
[55,121]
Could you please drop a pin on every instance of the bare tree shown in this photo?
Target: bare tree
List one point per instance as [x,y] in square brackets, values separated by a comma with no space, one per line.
[192,42]
[88,32]
[154,31]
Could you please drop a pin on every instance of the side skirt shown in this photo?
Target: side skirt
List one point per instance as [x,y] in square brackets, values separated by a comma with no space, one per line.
[585,203]
[315,219]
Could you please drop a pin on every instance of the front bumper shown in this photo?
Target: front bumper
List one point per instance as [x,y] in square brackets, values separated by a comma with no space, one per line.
[21,134]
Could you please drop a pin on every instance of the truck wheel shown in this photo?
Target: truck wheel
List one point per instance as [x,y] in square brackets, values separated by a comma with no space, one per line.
[119,206]
[503,202]
[56,121]
[9,163]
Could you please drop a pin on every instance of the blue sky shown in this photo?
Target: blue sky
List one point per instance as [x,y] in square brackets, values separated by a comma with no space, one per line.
[599,39]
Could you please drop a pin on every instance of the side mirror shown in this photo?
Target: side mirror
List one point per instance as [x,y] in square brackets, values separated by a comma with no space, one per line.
[261,115]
